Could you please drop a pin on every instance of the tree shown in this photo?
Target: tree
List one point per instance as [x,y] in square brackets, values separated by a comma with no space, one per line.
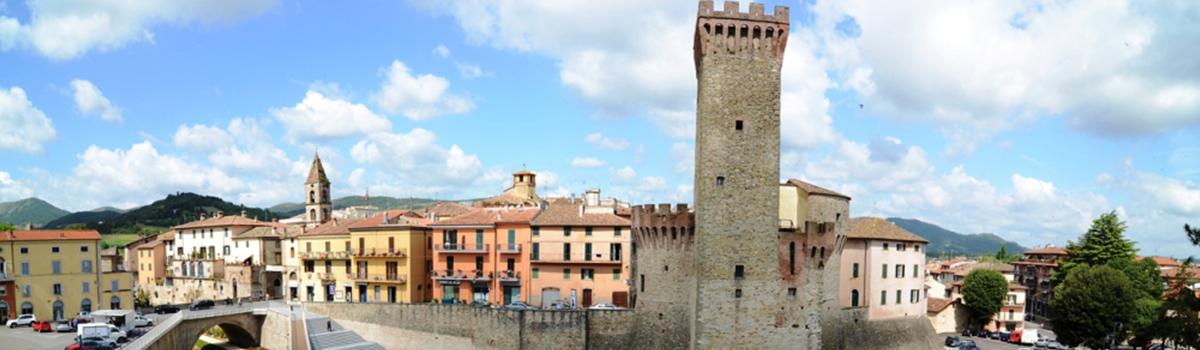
[5,227]
[1104,242]
[1003,256]
[1180,322]
[1193,234]
[1092,303]
[983,294]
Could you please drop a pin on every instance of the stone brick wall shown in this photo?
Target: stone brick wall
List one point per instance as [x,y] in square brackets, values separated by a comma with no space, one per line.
[275,331]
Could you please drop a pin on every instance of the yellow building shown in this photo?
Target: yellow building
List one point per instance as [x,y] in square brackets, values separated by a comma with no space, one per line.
[326,272]
[151,265]
[55,274]
[391,258]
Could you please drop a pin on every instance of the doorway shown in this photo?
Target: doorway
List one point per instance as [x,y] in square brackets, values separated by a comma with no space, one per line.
[587,298]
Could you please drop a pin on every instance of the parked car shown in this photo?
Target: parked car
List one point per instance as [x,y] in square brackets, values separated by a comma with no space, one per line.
[142,321]
[1160,347]
[516,305]
[63,326]
[967,345]
[42,326]
[201,305]
[559,306]
[103,330]
[480,304]
[21,320]
[952,341]
[604,307]
[1054,344]
[92,343]
[166,309]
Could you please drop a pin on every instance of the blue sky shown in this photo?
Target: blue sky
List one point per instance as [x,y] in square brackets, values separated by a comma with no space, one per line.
[1023,119]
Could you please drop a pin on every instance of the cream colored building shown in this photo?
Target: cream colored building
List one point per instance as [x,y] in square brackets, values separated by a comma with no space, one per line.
[882,269]
[55,274]
[392,258]
[326,262]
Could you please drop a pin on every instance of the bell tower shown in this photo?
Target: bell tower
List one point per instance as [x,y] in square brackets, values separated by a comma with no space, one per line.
[317,204]
[737,297]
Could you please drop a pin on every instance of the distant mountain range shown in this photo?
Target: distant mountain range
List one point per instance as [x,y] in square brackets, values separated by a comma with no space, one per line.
[293,209]
[950,243]
[29,211]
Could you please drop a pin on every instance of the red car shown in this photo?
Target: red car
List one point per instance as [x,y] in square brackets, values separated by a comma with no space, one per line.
[42,326]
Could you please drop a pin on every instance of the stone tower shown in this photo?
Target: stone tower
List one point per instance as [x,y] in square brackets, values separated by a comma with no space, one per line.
[317,204]
[737,298]
[524,185]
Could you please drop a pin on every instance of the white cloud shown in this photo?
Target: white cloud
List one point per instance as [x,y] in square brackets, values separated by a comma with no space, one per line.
[418,97]
[416,162]
[624,175]
[442,51]
[201,137]
[67,29]
[587,162]
[89,100]
[471,70]
[12,189]
[684,155]
[604,142]
[125,178]
[23,127]
[321,117]
[1030,189]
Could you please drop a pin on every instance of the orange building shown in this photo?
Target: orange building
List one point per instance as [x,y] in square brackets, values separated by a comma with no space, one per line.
[482,256]
[580,255]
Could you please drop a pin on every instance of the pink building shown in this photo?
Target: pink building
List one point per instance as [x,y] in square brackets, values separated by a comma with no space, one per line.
[882,270]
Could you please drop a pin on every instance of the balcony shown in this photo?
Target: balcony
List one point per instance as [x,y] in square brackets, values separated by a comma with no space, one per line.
[462,275]
[510,277]
[461,248]
[323,276]
[508,248]
[573,259]
[381,278]
[334,255]
[380,253]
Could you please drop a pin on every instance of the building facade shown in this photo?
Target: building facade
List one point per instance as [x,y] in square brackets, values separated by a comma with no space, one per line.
[883,270]
[326,262]
[55,274]
[219,258]
[151,265]
[580,255]
[478,256]
[392,258]
[1035,271]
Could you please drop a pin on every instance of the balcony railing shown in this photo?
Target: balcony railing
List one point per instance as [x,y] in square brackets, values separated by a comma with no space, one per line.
[462,275]
[381,278]
[559,258]
[334,255]
[508,248]
[460,248]
[381,253]
[508,276]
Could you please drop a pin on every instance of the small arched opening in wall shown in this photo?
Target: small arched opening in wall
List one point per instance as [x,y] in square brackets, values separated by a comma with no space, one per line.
[232,333]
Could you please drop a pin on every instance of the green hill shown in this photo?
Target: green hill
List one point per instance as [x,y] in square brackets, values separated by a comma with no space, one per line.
[946,242]
[29,211]
[84,217]
[174,210]
[385,202]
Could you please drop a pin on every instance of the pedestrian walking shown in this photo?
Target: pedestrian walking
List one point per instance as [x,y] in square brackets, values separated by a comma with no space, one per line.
[329,325]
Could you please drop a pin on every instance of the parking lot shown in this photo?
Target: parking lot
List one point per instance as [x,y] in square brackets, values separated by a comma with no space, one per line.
[24,338]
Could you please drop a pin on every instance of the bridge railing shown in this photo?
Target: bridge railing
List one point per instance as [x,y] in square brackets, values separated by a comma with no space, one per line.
[172,321]
[155,333]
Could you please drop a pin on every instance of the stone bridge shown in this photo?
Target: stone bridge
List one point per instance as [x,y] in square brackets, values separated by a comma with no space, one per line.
[243,325]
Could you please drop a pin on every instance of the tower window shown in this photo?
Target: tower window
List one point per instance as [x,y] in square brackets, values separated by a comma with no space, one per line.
[720,181]
[739,272]
[737,293]
[737,125]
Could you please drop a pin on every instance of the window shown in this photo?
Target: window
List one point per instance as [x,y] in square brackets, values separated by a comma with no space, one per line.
[308,246]
[587,251]
[884,270]
[566,274]
[114,285]
[587,231]
[54,249]
[883,297]
[854,297]
[225,250]
[58,290]
[347,265]
[26,290]
[327,247]
[792,292]
[897,296]
[792,258]
[533,255]
[535,273]
[616,274]
[614,252]
[916,247]
[391,244]
[643,283]
[566,251]
[899,271]
[25,268]
[347,243]
[855,270]
[737,293]
[24,250]
[87,287]
[587,274]
[721,182]
[899,247]
[566,231]
[739,272]
[617,231]
[85,266]
[83,248]
[479,264]
[737,125]
[85,305]
[915,272]
[56,267]
[308,266]
[536,231]
[885,246]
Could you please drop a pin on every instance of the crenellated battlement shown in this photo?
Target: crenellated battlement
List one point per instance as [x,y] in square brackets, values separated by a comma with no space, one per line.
[661,215]
[730,32]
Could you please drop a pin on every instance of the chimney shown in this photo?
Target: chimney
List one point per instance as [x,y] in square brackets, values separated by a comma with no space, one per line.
[29,226]
[592,197]
[203,215]
[243,213]
[219,214]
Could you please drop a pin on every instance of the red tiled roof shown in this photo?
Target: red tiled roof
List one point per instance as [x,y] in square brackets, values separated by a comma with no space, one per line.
[936,305]
[814,189]
[393,218]
[50,235]
[1162,261]
[490,216]
[1047,251]
[574,215]
[448,209]
[221,221]
[1016,286]
[877,228]
[331,227]
[506,199]
[167,236]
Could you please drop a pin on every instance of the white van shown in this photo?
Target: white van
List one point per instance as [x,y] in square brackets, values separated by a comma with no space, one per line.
[102,330]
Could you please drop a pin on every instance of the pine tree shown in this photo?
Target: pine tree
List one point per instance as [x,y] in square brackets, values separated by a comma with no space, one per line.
[1104,242]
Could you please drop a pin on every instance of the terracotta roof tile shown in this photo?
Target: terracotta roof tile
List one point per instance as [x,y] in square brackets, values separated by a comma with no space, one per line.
[1047,251]
[1163,261]
[331,228]
[447,209]
[167,236]
[936,305]
[490,216]
[271,231]
[877,228]
[506,199]
[393,218]
[50,235]
[573,215]
[222,221]
[814,189]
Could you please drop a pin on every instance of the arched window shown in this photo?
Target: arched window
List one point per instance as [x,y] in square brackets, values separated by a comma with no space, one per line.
[312,196]
[26,308]
[57,310]
[854,297]
[115,303]
[312,215]
[85,305]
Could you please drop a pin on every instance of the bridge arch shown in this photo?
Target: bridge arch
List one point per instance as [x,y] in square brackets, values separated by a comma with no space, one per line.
[244,329]
[237,333]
